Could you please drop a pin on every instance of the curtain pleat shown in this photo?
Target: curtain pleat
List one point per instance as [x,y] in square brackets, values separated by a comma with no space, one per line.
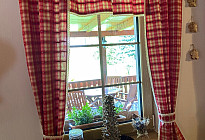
[44,28]
[163,27]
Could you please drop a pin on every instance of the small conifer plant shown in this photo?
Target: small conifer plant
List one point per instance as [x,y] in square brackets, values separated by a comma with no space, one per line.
[110,127]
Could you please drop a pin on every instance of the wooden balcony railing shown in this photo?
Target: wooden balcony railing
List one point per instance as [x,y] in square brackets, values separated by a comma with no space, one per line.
[111,80]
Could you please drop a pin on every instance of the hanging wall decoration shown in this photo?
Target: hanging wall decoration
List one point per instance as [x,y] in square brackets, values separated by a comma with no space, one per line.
[194,53]
[192,3]
[193,27]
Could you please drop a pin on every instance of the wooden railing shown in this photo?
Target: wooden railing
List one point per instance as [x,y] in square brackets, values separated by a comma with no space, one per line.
[98,83]
[85,84]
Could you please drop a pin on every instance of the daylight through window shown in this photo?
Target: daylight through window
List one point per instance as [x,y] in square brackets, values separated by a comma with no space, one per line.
[104,59]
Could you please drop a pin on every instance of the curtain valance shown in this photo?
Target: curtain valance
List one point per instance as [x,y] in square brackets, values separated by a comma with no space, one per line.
[84,7]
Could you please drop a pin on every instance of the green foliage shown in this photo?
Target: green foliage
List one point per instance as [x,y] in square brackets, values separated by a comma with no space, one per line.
[83,116]
[100,111]
[119,109]
[86,115]
[123,55]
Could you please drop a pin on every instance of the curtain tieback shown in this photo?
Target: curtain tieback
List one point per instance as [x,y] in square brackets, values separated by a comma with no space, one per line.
[52,137]
[167,118]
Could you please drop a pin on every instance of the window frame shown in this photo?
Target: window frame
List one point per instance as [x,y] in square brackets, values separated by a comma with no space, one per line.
[139,24]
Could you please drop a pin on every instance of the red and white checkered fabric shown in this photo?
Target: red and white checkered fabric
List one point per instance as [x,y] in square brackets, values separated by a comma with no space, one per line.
[163,24]
[83,7]
[44,27]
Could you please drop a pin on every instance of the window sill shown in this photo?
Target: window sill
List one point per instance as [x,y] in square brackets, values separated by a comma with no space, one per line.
[124,128]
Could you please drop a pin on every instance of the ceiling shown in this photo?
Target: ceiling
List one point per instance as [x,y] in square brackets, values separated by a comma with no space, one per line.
[109,24]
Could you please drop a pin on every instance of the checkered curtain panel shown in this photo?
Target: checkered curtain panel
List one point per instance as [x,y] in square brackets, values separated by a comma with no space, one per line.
[44,27]
[163,24]
[83,7]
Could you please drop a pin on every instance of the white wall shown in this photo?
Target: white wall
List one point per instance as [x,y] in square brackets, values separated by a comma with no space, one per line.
[191,97]
[18,115]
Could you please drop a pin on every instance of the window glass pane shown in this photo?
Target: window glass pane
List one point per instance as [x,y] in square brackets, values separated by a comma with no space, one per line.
[125,100]
[117,29]
[83,40]
[118,39]
[83,23]
[89,103]
[83,104]
[120,66]
[84,64]
[121,63]
[83,30]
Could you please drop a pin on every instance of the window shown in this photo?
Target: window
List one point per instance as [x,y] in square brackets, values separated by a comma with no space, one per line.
[104,59]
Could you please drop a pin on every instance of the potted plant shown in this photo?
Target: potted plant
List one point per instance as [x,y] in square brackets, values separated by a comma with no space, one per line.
[87,118]
[83,116]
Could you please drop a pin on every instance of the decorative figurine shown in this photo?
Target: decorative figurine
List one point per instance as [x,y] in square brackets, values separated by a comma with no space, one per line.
[192,3]
[194,53]
[140,124]
[110,130]
[193,27]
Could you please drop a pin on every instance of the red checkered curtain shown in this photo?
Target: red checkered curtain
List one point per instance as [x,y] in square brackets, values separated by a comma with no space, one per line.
[163,24]
[44,27]
[83,7]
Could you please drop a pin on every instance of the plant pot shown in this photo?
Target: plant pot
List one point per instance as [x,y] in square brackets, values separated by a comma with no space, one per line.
[95,124]
[88,125]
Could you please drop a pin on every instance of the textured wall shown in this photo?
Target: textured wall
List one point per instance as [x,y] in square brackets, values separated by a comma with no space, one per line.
[18,115]
[190,102]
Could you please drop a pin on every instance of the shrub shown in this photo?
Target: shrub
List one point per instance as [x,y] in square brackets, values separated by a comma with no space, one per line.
[83,116]
[86,115]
